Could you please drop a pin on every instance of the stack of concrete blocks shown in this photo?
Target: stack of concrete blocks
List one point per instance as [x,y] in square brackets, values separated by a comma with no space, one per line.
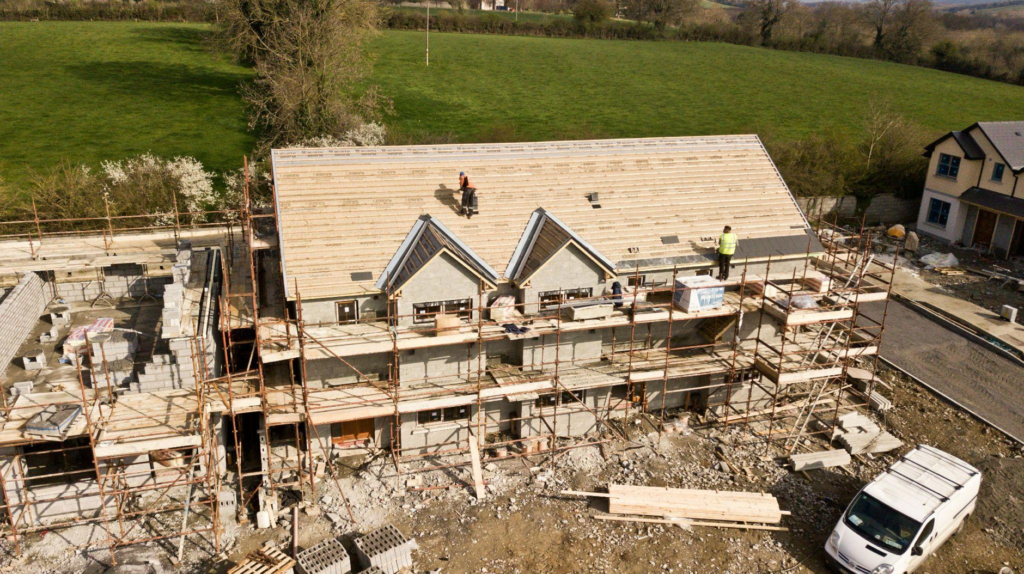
[120,280]
[385,548]
[328,557]
[374,570]
[228,502]
[34,361]
[19,312]
[60,317]
[50,336]
[118,349]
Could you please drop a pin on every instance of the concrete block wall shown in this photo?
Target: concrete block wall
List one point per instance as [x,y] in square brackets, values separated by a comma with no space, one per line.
[116,283]
[330,372]
[443,279]
[19,312]
[882,208]
[568,269]
[414,366]
[433,437]
[578,347]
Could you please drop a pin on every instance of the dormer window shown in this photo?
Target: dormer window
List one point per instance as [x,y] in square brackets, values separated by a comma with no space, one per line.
[949,165]
[997,172]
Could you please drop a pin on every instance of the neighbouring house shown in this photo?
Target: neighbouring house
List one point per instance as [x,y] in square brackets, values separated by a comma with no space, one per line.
[972,194]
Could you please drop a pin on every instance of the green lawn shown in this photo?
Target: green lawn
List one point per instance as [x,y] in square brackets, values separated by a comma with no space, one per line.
[478,85]
[91,91]
[86,92]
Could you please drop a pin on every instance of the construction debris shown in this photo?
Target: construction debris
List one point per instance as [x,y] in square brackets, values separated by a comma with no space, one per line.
[821,459]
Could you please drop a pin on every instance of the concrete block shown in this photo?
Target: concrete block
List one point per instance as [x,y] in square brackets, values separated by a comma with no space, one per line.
[385,548]
[35,361]
[327,557]
[50,336]
[21,388]
[60,316]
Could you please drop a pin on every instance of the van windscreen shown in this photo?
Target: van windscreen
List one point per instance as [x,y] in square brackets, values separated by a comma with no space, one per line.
[881,525]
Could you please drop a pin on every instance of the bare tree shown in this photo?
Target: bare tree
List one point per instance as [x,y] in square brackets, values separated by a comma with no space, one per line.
[766,15]
[309,61]
[661,13]
[900,26]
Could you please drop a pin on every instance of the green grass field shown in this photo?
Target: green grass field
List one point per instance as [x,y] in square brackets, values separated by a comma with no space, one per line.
[546,88]
[87,92]
[90,91]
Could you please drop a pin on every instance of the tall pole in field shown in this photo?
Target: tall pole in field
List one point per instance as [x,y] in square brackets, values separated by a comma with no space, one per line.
[517,10]
[428,32]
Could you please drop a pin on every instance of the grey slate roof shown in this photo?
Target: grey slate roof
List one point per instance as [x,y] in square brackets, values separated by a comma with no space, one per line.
[971,148]
[994,201]
[1008,139]
[427,238]
[544,236]
[764,247]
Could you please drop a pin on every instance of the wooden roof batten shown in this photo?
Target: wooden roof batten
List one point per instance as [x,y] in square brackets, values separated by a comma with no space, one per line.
[546,236]
[427,240]
[344,212]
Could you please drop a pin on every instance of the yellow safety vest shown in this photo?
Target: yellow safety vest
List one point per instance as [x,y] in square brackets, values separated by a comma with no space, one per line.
[727,243]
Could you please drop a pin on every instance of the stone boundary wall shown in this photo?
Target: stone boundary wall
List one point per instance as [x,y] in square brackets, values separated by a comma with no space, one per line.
[883,208]
[19,312]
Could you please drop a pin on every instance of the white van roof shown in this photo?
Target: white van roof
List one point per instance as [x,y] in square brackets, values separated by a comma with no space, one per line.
[922,480]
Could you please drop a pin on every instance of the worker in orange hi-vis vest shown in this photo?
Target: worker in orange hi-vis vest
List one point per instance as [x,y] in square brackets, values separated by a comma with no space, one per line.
[727,243]
[468,195]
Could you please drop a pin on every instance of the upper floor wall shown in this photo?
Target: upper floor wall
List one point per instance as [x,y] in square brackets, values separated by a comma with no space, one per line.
[952,170]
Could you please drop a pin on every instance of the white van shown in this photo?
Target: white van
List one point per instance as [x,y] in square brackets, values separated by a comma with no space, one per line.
[904,515]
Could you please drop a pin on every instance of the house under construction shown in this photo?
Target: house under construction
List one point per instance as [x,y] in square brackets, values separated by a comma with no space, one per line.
[163,378]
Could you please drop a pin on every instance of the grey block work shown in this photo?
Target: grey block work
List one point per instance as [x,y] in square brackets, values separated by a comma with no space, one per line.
[19,312]
[385,548]
[328,557]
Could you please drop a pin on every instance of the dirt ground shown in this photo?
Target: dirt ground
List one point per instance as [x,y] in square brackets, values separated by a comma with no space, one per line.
[526,526]
[972,286]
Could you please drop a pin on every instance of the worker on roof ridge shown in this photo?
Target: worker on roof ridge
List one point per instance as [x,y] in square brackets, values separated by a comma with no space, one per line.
[727,243]
[469,205]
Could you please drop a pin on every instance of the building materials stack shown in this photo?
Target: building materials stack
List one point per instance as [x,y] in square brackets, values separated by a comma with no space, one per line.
[860,435]
[822,459]
[698,293]
[328,557]
[113,357]
[385,548]
[689,506]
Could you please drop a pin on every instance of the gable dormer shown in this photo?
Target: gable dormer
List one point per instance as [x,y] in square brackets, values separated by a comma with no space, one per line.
[434,273]
[551,257]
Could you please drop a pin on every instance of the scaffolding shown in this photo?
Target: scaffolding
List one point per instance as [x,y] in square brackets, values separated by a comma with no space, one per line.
[139,467]
[782,380]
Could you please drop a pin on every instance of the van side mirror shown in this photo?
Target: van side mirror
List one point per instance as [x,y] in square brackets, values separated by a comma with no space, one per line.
[917,551]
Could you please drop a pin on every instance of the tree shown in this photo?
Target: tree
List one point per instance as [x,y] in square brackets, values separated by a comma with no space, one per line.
[766,15]
[309,61]
[661,13]
[900,26]
[591,11]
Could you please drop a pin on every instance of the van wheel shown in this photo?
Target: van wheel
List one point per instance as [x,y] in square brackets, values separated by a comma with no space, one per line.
[960,527]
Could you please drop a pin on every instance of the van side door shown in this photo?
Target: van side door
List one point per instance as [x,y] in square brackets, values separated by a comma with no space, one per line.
[923,546]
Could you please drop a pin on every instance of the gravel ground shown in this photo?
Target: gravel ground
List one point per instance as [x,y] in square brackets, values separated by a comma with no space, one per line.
[976,377]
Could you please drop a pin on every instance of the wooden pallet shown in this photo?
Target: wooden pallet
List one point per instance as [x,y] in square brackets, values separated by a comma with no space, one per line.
[267,560]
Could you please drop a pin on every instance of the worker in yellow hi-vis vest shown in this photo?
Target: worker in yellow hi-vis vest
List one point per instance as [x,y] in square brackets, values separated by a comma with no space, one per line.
[727,243]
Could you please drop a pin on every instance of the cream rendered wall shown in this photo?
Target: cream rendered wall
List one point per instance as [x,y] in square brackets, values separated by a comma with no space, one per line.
[992,158]
[966,178]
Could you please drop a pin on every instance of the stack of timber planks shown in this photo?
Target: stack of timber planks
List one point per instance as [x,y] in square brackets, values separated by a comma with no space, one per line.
[690,506]
[821,459]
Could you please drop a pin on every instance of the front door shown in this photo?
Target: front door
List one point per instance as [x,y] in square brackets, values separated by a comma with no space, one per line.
[348,432]
[985,228]
[1017,243]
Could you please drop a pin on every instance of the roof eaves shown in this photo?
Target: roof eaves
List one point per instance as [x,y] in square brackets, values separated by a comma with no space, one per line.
[398,259]
[525,245]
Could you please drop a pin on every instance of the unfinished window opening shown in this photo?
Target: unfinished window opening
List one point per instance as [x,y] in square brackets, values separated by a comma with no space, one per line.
[426,312]
[348,311]
[65,462]
[566,398]
[551,299]
[635,281]
[450,414]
